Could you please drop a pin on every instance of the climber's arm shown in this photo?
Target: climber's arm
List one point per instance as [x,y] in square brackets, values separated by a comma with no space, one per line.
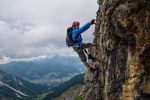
[83,28]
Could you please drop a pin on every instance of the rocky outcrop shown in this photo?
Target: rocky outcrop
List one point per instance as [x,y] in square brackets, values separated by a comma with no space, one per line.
[123,32]
[72,94]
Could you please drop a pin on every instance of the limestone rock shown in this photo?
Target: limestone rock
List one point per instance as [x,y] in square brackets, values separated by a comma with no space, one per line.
[123,32]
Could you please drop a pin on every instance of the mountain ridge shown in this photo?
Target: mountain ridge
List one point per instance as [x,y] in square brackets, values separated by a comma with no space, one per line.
[15,87]
[59,90]
[47,70]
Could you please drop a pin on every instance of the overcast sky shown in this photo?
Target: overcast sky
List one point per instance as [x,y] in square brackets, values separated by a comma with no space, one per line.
[31,28]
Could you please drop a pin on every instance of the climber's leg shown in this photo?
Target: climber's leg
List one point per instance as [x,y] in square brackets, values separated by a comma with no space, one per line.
[90,50]
[91,68]
[89,53]
[82,56]
[87,65]
[87,45]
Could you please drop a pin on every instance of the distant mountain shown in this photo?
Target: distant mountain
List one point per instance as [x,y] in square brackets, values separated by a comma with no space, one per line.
[47,71]
[15,88]
[59,90]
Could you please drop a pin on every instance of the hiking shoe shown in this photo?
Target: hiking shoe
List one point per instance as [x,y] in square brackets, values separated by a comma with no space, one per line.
[91,57]
[93,69]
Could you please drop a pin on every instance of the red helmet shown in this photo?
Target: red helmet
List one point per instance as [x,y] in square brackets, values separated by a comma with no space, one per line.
[75,23]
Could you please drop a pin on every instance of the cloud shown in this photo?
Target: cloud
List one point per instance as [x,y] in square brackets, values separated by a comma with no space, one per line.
[30,28]
[5,60]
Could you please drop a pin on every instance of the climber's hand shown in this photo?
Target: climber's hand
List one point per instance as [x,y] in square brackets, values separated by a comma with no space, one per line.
[92,21]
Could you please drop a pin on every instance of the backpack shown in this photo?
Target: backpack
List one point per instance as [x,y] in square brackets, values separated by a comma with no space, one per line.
[69,41]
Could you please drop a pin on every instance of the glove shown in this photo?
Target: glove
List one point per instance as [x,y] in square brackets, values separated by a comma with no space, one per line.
[92,21]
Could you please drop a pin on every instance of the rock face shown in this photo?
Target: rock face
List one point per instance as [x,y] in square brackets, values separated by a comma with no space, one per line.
[123,33]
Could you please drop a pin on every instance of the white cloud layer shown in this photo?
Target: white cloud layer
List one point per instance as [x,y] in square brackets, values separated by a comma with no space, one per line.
[31,28]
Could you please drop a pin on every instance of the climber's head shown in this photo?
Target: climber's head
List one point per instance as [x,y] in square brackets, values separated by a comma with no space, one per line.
[75,24]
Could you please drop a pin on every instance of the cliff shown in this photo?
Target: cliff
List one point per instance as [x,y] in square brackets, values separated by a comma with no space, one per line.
[123,32]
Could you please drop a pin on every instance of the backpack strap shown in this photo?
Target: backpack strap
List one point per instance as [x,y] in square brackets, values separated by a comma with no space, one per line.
[76,41]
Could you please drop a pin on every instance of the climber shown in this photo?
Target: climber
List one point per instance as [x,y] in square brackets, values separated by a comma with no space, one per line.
[77,44]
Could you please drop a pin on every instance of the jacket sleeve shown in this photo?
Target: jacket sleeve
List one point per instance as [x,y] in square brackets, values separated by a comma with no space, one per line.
[83,28]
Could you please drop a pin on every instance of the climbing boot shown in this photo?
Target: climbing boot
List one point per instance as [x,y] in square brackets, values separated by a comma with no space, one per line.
[91,57]
[93,69]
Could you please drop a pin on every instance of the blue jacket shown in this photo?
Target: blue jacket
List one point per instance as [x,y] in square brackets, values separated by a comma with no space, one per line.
[78,31]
